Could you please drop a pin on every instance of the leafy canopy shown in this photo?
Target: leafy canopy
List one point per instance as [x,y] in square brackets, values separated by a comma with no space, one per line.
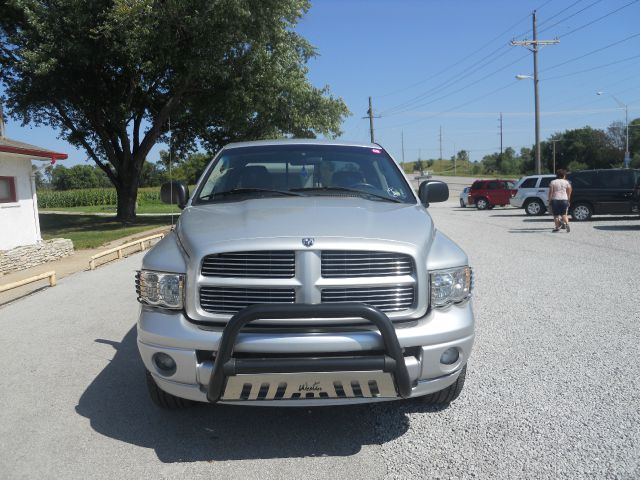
[112,74]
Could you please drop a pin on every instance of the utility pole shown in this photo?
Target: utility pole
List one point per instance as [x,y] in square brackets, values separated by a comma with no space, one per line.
[534,45]
[371,117]
[440,142]
[455,155]
[500,134]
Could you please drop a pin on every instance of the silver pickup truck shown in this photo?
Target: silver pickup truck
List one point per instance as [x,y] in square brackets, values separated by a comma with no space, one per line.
[304,272]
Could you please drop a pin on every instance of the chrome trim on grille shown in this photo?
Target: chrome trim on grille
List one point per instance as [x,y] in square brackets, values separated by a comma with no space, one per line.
[230,300]
[353,263]
[386,299]
[258,264]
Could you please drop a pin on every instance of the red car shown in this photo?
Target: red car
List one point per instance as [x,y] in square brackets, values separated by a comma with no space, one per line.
[486,194]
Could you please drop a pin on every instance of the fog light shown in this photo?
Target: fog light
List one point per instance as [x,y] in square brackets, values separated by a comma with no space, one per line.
[450,356]
[164,363]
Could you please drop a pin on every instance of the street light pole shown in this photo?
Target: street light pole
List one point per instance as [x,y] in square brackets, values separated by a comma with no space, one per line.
[627,154]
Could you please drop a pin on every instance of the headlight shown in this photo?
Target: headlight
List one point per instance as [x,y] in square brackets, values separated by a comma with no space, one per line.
[160,289]
[450,286]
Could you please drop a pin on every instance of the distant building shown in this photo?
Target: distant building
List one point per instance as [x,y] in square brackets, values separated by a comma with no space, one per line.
[19,224]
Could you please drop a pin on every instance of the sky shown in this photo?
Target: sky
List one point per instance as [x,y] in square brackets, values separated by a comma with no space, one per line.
[446,65]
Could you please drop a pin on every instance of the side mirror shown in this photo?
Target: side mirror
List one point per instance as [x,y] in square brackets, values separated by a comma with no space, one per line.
[175,193]
[433,191]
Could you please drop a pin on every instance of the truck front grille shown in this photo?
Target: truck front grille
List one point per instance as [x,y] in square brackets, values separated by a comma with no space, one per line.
[259,264]
[353,263]
[386,299]
[231,300]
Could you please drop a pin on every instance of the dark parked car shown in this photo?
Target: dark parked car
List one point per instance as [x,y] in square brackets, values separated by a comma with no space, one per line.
[603,192]
[486,194]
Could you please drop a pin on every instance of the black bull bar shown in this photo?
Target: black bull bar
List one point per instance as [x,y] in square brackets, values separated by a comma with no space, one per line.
[225,365]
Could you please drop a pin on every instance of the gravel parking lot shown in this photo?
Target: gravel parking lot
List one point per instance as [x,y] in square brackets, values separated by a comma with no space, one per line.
[552,388]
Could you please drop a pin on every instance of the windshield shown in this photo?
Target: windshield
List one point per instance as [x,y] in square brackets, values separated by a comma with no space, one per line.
[294,170]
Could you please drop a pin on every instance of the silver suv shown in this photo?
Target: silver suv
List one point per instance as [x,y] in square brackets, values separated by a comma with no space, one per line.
[304,273]
[531,194]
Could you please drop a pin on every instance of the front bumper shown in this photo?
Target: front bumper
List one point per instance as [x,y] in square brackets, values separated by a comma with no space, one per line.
[423,343]
[516,202]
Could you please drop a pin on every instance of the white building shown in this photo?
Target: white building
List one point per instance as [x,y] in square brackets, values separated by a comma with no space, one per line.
[19,223]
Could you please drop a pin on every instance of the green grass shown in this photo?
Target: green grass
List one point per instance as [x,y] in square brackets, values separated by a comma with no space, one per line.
[148,208]
[91,231]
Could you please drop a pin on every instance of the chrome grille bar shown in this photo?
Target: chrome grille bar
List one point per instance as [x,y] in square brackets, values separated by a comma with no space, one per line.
[232,300]
[386,299]
[258,264]
[350,263]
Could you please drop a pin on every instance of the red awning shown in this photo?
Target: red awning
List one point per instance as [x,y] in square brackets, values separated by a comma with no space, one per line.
[30,152]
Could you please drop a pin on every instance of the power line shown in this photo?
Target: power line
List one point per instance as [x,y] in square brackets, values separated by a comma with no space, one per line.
[591,52]
[598,19]
[549,18]
[592,68]
[570,16]
[470,84]
[497,37]
[447,83]
[503,87]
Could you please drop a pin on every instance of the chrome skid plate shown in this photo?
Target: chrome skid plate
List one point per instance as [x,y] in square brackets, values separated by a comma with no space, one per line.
[309,385]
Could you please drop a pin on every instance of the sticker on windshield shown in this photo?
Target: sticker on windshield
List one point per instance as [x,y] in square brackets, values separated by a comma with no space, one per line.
[376,150]
[394,192]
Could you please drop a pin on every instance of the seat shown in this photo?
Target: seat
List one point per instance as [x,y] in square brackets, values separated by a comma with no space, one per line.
[255,176]
[346,179]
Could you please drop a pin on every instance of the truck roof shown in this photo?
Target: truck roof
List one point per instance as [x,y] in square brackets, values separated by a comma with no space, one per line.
[301,141]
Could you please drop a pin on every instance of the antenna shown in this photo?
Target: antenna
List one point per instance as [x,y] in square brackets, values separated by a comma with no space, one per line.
[170,173]
[1,122]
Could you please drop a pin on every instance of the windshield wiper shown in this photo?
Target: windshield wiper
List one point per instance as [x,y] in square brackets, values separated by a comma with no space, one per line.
[345,189]
[241,191]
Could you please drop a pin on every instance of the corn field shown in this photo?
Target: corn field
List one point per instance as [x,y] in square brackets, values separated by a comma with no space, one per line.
[90,197]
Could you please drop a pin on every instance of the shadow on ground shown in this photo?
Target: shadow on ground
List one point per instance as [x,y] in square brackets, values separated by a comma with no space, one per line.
[618,228]
[117,405]
[530,230]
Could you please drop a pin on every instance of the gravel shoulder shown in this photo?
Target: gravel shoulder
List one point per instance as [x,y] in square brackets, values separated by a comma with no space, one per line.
[552,388]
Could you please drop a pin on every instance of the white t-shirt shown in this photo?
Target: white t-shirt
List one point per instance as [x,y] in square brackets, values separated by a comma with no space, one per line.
[558,189]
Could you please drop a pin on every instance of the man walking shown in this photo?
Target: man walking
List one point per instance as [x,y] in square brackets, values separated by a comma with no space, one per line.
[559,195]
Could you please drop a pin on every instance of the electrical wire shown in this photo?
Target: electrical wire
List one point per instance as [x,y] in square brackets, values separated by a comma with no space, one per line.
[592,68]
[442,86]
[503,87]
[571,60]
[549,18]
[504,67]
[570,16]
[597,19]
[447,82]
[497,37]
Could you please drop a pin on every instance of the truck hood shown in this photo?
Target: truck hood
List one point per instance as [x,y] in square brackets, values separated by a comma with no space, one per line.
[206,228]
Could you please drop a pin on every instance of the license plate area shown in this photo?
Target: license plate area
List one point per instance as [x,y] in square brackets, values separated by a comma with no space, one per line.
[309,385]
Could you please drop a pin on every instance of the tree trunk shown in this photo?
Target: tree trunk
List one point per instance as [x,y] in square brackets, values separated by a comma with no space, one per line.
[127,196]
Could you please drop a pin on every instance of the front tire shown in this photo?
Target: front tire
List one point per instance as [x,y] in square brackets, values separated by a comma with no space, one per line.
[163,399]
[534,207]
[482,204]
[581,212]
[449,394]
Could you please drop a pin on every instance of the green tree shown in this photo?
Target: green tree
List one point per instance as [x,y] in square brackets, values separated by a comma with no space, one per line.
[582,146]
[113,75]
[78,176]
[152,175]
